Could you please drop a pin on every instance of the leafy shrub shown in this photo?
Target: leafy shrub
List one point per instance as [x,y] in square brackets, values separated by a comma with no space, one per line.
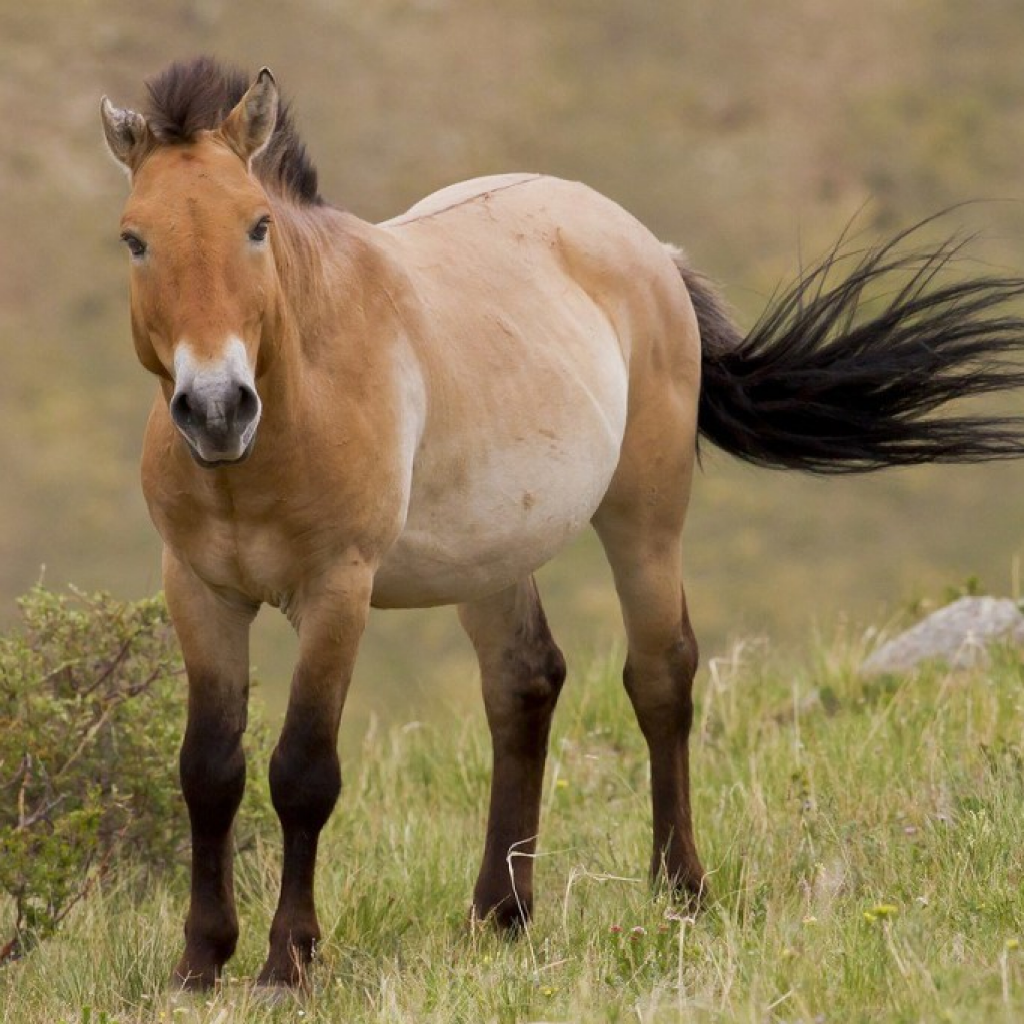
[92,705]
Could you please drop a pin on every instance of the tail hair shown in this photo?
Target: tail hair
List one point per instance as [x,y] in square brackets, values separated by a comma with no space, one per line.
[845,376]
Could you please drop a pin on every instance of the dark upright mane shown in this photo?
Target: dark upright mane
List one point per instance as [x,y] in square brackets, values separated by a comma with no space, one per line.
[190,96]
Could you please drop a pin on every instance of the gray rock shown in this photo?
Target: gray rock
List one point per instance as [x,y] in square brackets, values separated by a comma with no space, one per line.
[959,634]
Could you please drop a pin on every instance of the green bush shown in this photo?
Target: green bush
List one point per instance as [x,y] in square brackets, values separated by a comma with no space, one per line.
[92,707]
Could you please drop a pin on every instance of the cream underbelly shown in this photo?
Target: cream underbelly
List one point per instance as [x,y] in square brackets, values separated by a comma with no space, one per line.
[511,513]
[457,550]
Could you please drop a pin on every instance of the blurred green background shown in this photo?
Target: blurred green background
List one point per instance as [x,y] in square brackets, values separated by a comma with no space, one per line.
[750,133]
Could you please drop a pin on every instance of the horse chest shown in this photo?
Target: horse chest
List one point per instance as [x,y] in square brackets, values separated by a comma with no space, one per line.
[255,558]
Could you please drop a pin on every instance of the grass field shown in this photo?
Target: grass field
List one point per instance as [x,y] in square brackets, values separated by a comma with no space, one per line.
[865,842]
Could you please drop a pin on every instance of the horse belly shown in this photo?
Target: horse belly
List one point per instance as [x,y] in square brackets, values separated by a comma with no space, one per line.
[508,512]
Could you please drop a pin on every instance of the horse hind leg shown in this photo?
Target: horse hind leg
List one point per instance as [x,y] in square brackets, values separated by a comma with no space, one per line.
[522,671]
[658,677]
[640,526]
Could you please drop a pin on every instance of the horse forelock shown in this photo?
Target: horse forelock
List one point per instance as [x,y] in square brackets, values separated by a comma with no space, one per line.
[189,97]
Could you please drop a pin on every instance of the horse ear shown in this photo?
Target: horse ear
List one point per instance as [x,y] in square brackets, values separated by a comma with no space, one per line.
[127,134]
[247,129]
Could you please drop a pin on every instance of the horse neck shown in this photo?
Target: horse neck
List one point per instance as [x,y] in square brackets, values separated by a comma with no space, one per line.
[342,286]
[321,263]
[316,253]
[342,292]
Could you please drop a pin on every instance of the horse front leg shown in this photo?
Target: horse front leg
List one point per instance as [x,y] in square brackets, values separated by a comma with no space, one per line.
[214,635]
[305,774]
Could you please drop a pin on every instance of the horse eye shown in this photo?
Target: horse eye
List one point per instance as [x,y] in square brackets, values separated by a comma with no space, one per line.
[258,232]
[136,246]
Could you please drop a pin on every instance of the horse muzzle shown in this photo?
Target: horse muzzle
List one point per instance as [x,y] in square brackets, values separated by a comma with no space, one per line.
[218,419]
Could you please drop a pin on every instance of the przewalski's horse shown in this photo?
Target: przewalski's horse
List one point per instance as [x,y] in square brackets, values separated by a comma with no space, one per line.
[425,411]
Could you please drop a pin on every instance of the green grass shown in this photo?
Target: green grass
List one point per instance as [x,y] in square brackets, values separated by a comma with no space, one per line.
[865,842]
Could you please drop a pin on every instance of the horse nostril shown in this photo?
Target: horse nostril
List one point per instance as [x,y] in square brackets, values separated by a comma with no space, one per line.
[181,410]
[248,404]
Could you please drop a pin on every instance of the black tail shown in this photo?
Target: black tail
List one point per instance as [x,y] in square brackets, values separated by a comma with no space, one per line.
[819,385]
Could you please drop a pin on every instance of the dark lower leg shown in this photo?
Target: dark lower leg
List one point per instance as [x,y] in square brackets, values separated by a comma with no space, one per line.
[305,780]
[504,887]
[305,775]
[213,780]
[660,690]
[522,673]
[675,853]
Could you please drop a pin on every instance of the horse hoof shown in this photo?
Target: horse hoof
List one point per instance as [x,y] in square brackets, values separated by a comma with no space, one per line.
[274,993]
[690,892]
[191,979]
[507,917]
[287,979]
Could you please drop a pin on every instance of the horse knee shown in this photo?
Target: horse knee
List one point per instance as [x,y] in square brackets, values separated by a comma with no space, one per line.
[212,772]
[305,781]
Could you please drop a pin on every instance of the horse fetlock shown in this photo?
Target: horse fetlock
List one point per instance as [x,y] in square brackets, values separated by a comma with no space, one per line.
[292,950]
[678,867]
[508,911]
[689,888]
[192,978]
[205,954]
[211,935]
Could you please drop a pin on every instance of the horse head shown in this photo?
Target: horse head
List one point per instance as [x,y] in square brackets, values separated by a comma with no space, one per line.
[197,226]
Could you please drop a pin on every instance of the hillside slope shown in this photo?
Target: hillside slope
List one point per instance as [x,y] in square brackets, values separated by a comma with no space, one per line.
[749,133]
